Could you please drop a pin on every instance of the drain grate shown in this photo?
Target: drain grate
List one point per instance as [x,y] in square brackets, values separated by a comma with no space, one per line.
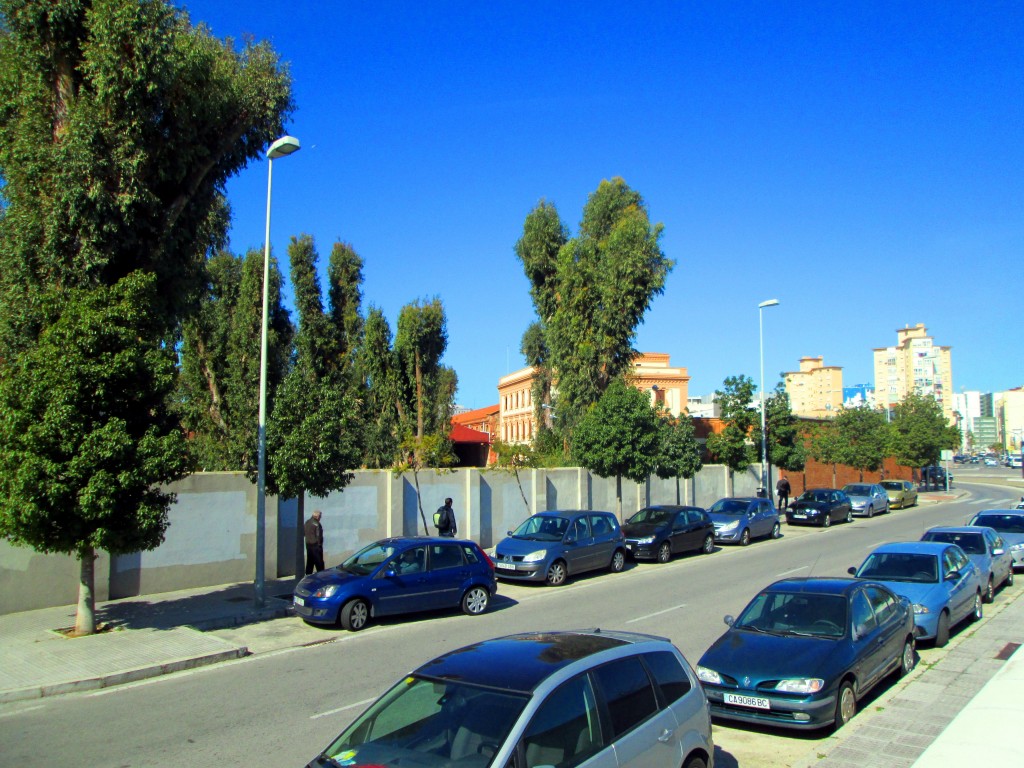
[1007,651]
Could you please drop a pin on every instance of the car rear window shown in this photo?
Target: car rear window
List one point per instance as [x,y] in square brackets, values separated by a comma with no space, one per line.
[628,693]
[668,674]
[971,543]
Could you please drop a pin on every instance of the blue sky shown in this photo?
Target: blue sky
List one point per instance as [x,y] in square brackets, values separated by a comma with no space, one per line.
[861,162]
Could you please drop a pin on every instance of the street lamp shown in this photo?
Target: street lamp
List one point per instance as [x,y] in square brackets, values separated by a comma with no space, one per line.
[764,441]
[285,145]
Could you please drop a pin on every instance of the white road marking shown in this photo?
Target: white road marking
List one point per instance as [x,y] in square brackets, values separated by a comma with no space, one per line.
[656,613]
[22,711]
[795,570]
[362,703]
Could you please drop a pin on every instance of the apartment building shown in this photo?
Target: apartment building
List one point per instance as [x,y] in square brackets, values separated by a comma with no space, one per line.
[816,390]
[915,364]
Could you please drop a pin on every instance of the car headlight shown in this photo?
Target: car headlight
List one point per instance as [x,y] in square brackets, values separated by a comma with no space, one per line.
[645,540]
[800,685]
[730,526]
[706,675]
[1017,547]
[327,591]
[918,608]
[537,556]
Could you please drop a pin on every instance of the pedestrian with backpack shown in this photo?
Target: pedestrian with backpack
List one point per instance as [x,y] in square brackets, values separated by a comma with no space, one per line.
[444,520]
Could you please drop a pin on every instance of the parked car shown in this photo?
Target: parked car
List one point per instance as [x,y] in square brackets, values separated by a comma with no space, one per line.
[820,506]
[983,547]
[599,698]
[990,461]
[552,546]
[395,576]
[661,531]
[941,583]
[867,499]
[1009,524]
[901,493]
[936,476]
[738,520]
[804,650]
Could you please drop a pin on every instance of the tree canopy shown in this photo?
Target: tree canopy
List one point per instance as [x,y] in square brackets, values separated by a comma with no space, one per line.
[920,431]
[733,446]
[864,438]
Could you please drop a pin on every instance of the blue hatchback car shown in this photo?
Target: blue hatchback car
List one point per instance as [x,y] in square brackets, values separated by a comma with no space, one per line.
[395,576]
[983,547]
[941,583]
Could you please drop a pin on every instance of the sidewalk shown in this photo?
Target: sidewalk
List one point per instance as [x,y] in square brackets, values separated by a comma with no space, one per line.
[145,636]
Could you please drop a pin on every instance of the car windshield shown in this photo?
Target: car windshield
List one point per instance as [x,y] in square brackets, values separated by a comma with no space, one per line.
[729,507]
[858,490]
[1002,523]
[893,485]
[822,496]
[430,724]
[900,566]
[367,559]
[651,515]
[971,543]
[797,613]
[542,528]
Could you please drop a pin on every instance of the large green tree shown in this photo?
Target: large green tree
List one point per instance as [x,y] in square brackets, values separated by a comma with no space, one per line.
[920,431]
[379,374]
[678,449]
[734,446]
[785,443]
[120,124]
[619,436]
[591,291]
[825,445]
[864,436]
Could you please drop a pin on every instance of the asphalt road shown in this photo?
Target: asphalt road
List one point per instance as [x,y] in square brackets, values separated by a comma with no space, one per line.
[281,707]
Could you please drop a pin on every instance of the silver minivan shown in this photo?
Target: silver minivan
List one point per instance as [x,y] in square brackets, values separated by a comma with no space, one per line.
[596,698]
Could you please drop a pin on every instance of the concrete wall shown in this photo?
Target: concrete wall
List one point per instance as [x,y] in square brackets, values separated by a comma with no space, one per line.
[211,539]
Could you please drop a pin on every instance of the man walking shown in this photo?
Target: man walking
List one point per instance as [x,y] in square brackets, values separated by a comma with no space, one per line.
[782,488]
[314,533]
[444,519]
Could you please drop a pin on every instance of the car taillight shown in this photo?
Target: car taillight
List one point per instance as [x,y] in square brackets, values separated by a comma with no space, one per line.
[489,561]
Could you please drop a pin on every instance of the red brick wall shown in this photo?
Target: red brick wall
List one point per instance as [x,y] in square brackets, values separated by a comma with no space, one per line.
[817,475]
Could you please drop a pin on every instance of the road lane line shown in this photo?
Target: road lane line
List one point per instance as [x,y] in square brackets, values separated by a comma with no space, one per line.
[795,570]
[656,613]
[362,703]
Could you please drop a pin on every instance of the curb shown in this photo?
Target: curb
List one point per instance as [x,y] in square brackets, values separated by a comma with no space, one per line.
[119,678]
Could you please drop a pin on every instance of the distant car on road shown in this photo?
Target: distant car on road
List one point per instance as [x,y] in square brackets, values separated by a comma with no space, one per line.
[599,698]
[936,476]
[658,532]
[868,499]
[395,576]
[1009,524]
[983,547]
[820,506]
[740,519]
[901,493]
[941,583]
[804,650]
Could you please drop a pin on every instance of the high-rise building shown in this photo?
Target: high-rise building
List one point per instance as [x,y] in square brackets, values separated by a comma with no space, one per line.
[915,364]
[816,390]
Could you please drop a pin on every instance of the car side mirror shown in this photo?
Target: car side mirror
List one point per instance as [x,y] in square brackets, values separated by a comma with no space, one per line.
[852,571]
[859,631]
[569,540]
[508,533]
[953,575]
[390,573]
[729,619]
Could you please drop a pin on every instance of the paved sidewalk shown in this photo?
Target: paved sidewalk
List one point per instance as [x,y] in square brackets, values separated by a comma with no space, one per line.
[144,637]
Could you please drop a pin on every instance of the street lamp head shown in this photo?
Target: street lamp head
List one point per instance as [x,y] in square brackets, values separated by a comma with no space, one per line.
[286,145]
[769,303]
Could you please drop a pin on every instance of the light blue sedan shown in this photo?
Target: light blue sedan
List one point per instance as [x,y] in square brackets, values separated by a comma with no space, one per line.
[983,547]
[1009,524]
[867,499]
[942,584]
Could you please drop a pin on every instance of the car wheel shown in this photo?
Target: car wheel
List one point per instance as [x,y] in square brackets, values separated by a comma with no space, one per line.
[870,512]
[942,631]
[745,537]
[475,601]
[1009,578]
[827,520]
[354,615]
[978,612]
[556,574]
[776,531]
[664,552]
[849,515]
[990,591]
[709,547]
[907,657]
[846,705]
[618,561]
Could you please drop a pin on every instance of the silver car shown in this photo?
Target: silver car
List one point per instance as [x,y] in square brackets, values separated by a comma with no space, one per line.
[1009,524]
[868,499]
[601,699]
[983,547]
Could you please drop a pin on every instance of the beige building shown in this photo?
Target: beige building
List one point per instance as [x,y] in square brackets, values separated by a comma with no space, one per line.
[816,390]
[1009,411]
[916,363]
[652,373]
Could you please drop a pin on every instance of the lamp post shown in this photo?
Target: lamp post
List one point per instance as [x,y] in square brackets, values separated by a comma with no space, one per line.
[285,145]
[764,440]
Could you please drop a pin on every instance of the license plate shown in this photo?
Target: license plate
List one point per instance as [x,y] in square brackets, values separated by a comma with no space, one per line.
[299,601]
[756,702]
[505,566]
[799,516]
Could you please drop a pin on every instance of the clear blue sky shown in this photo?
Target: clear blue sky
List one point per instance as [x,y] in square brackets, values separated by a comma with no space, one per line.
[861,162]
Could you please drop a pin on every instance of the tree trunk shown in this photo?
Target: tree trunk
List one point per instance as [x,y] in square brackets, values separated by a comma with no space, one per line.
[419,499]
[85,618]
[419,398]
[618,497]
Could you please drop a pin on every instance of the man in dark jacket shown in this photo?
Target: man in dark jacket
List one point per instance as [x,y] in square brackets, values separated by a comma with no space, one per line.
[444,519]
[782,488]
[314,533]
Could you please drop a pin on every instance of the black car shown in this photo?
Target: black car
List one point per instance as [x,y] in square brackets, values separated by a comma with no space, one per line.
[935,475]
[804,651]
[661,531]
[820,506]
